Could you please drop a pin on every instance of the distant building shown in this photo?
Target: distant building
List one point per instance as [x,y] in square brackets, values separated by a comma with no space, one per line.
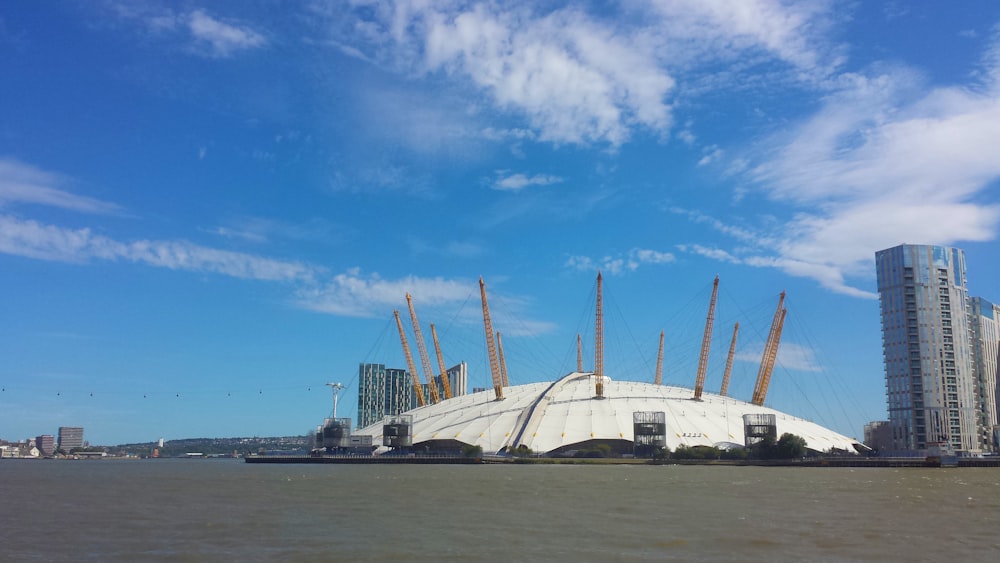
[878,435]
[70,437]
[46,444]
[986,343]
[382,391]
[457,381]
[931,382]
[386,391]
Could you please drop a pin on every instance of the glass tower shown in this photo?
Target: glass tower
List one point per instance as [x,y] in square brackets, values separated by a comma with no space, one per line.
[927,342]
[382,391]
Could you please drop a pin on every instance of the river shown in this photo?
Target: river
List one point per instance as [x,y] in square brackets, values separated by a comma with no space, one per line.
[226,510]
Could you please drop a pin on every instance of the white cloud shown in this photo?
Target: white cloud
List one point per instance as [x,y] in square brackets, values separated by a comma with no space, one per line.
[201,33]
[354,294]
[24,183]
[48,242]
[873,170]
[787,30]
[580,75]
[517,182]
[616,265]
[886,160]
[222,39]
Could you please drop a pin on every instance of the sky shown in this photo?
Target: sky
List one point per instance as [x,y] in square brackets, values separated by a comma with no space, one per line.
[209,210]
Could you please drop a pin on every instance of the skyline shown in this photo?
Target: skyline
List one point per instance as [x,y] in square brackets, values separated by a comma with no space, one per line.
[210,210]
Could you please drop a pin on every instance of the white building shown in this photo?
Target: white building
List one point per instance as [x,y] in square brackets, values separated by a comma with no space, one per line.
[927,339]
[555,417]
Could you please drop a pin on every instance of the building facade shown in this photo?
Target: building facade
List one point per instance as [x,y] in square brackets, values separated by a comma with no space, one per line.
[382,391]
[931,385]
[70,437]
[46,444]
[986,329]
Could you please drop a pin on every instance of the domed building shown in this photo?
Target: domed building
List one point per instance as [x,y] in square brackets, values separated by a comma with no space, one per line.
[556,418]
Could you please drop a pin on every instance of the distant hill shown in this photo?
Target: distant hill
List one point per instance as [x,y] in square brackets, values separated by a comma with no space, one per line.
[214,446]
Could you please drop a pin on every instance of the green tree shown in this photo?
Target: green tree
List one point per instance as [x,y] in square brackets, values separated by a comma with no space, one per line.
[791,446]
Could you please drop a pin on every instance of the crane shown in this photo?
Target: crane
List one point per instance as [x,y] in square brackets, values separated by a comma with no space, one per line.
[503,362]
[409,362]
[770,354]
[491,345]
[444,372]
[425,361]
[729,362]
[599,343]
[706,343]
[659,363]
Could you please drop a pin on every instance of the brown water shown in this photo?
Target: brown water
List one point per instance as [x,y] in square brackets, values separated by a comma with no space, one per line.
[226,510]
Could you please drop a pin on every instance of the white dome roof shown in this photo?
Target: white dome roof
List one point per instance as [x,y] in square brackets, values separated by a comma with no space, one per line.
[551,415]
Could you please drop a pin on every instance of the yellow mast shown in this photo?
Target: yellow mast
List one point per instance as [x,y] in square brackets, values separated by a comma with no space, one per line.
[579,354]
[491,346]
[444,370]
[599,343]
[503,362]
[706,343]
[658,380]
[409,361]
[729,362]
[425,362]
[770,354]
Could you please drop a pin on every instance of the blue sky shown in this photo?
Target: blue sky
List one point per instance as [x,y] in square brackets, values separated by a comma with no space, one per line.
[209,210]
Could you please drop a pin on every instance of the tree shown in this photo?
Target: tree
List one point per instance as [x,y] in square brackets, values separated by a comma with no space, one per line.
[791,446]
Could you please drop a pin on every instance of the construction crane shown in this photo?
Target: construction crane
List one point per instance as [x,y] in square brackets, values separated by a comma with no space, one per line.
[417,390]
[491,346]
[706,343]
[729,362]
[444,371]
[770,354]
[599,343]
[425,361]
[503,362]
[579,354]
[658,380]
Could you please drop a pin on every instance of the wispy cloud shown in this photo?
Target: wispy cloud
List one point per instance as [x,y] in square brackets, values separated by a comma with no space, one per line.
[791,356]
[23,183]
[355,294]
[620,264]
[200,32]
[517,182]
[886,160]
[221,39]
[583,77]
[49,242]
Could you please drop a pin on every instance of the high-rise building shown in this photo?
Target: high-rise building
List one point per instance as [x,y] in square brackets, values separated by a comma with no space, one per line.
[986,328]
[927,342]
[457,380]
[386,391]
[382,391]
[70,437]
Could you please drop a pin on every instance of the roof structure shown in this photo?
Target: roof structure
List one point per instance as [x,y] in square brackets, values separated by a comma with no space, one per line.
[549,417]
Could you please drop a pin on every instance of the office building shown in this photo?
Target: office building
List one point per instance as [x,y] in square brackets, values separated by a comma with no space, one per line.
[70,437]
[931,385]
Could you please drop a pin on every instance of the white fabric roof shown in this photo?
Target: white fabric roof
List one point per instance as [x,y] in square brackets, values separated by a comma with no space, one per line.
[550,415]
